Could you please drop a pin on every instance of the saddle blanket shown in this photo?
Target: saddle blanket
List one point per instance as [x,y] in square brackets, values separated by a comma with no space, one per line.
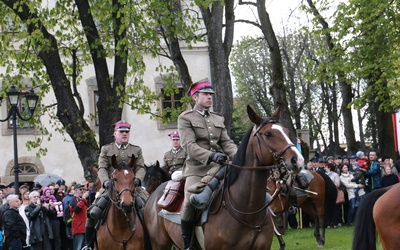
[176,217]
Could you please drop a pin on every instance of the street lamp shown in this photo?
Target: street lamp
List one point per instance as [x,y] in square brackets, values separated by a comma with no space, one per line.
[14,99]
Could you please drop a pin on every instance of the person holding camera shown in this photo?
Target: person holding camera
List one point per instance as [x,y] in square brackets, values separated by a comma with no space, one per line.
[39,213]
[79,206]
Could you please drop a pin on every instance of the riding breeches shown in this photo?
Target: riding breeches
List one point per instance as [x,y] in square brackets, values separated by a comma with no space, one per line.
[188,212]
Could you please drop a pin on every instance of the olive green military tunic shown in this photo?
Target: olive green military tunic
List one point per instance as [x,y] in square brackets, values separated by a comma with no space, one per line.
[174,161]
[123,153]
[200,136]
[202,133]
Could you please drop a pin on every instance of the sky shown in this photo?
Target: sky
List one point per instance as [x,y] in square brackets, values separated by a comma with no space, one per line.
[283,14]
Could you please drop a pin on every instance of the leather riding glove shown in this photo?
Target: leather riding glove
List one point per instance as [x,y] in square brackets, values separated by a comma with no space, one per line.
[218,157]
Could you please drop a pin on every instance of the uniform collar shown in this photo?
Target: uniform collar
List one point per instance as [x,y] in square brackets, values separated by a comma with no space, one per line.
[201,111]
[121,146]
[176,150]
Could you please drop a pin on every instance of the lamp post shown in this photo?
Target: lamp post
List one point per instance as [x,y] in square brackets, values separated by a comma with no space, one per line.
[14,99]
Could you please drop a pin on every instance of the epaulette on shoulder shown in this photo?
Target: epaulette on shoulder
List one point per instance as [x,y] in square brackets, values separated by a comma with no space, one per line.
[215,113]
[187,112]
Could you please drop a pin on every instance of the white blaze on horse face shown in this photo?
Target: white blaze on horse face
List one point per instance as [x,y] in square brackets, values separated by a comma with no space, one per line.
[126,172]
[300,159]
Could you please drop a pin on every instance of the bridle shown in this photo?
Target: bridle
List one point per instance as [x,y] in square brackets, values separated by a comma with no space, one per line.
[117,202]
[276,155]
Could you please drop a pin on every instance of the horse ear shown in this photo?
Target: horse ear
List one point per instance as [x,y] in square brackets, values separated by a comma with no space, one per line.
[157,164]
[277,114]
[132,161]
[256,119]
[114,162]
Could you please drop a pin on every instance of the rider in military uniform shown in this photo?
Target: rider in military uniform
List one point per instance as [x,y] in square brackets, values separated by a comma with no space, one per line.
[207,144]
[176,156]
[123,151]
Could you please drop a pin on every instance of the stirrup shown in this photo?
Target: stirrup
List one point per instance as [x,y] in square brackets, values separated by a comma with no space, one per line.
[292,210]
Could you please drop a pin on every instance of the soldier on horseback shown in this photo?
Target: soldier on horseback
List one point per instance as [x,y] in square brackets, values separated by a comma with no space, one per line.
[124,151]
[207,144]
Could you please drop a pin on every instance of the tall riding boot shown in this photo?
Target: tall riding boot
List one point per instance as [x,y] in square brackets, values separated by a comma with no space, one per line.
[202,200]
[187,233]
[90,236]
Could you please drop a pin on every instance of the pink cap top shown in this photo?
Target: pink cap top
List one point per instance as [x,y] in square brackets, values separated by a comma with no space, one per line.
[122,126]
[174,135]
[204,87]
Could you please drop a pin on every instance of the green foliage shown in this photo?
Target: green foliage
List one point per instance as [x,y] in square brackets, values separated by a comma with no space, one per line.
[126,30]
[369,34]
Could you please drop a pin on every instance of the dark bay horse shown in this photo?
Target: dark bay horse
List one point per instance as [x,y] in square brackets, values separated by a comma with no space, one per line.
[155,175]
[318,203]
[238,217]
[378,211]
[122,228]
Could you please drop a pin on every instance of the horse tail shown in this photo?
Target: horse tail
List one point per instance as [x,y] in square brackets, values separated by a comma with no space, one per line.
[330,195]
[364,225]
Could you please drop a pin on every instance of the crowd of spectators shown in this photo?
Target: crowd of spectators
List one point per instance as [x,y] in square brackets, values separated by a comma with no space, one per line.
[356,175]
[44,218]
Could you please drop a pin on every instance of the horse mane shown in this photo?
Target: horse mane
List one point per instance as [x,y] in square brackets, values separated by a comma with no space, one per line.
[122,165]
[240,156]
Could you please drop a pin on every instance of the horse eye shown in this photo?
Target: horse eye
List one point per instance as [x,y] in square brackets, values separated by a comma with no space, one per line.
[268,134]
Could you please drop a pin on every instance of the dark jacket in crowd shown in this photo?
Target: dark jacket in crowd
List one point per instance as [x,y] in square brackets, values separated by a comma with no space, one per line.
[39,222]
[390,179]
[14,226]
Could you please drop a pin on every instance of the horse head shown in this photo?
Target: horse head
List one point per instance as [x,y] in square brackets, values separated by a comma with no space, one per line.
[155,175]
[271,142]
[123,184]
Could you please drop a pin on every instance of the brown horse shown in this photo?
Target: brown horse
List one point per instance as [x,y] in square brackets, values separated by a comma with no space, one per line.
[238,217]
[318,201]
[122,228]
[155,175]
[379,210]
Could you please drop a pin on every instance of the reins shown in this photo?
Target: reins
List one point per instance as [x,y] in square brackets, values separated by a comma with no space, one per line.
[116,203]
[258,151]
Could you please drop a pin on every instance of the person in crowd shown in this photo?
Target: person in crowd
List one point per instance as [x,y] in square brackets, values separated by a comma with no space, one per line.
[41,232]
[2,197]
[67,215]
[353,164]
[13,225]
[10,188]
[345,179]
[123,150]
[60,194]
[363,165]
[374,173]
[176,156]
[207,145]
[389,178]
[329,169]
[60,190]
[25,200]
[387,161]
[79,206]
[47,196]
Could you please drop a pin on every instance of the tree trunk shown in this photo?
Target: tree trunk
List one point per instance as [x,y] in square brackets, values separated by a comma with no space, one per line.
[278,89]
[220,44]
